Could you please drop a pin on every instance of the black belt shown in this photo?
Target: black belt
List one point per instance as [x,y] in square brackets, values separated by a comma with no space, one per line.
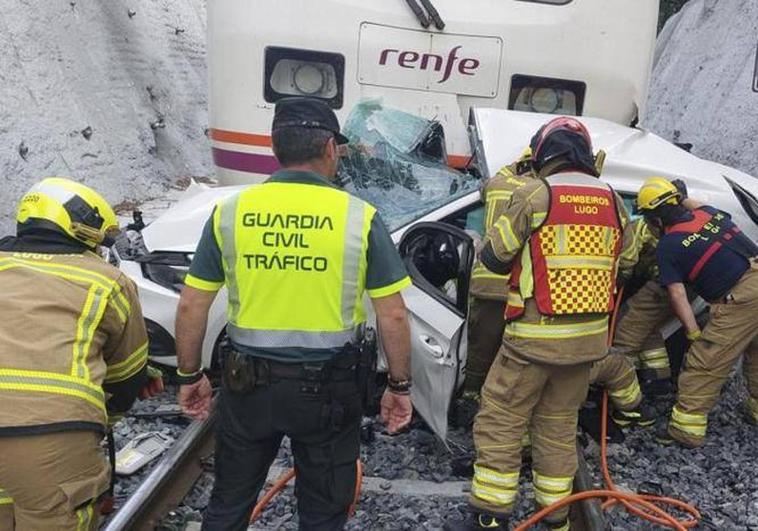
[341,367]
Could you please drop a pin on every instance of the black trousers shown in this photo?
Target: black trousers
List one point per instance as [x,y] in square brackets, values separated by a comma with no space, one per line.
[322,421]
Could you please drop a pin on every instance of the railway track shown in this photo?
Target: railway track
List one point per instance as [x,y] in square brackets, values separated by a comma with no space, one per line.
[169,481]
[174,476]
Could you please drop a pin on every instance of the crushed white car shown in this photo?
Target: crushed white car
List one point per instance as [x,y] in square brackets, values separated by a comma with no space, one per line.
[425,205]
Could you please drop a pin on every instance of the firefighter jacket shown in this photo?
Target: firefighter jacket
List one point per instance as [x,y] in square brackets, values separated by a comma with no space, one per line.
[73,340]
[562,238]
[496,194]
[643,251]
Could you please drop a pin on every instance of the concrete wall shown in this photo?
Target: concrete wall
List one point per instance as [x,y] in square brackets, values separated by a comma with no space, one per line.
[115,67]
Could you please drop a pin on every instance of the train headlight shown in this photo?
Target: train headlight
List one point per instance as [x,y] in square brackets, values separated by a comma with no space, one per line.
[296,72]
[546,95]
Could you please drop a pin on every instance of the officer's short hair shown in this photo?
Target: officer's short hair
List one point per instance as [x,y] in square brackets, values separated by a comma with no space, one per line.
[296,145]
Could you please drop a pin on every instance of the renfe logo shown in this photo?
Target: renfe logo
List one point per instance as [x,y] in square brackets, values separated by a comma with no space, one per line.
[431,61]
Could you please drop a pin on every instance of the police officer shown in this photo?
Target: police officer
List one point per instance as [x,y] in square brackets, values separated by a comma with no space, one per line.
[486,317]
[702,247]
[74,353]
[560,238]
[296,255]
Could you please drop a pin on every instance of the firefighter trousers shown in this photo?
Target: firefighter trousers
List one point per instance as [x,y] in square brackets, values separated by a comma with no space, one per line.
[638,331]
[53,479]
[322,418]
[730,332]
[616,373]
[546,398]
[486,322]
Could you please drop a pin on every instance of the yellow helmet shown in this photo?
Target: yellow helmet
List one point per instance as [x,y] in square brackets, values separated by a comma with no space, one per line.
[657,191]
[66,206]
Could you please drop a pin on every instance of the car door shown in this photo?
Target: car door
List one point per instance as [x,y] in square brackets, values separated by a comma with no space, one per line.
[439,259]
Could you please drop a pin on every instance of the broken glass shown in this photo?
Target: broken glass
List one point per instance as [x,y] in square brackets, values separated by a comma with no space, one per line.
[397,162]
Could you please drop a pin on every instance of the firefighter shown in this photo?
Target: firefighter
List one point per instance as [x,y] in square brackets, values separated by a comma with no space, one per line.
[560,239]
[86,361]
[638,332]
[296,254]
[486,318]
[702,247]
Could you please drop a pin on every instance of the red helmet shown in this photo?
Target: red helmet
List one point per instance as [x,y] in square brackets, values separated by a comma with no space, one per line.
[577,144]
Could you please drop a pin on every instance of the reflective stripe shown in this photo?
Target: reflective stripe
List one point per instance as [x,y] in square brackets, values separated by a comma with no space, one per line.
[92,313]
[548,489]
[538,218]
[56,192]
[752,405]
[509,239]
[123,370]
[577,180]
[481,271]
[627,395]
[5,498]
[84,516]
[227,231]
[691,423]
[53,383]
[351,258]
[530,330]
[121,305]
[655,359]
[290,338]
[493,477]
[577,261]
[504,497]
[61,270]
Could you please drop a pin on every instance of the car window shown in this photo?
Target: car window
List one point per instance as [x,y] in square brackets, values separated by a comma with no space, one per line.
[630,202]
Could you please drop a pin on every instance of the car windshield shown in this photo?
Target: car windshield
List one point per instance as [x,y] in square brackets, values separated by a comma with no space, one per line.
[397,162]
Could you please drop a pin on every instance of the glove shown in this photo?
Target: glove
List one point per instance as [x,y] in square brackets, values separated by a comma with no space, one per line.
[154,384]
[681,187]
[694,335]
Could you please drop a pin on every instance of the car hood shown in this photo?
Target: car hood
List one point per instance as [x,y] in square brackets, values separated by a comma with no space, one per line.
[179,227]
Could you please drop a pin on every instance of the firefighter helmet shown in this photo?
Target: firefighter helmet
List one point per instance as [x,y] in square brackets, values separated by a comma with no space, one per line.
[657,191]
[70,208]
[565,137]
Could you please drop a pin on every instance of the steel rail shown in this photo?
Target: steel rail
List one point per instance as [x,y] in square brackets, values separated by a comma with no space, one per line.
[169,482]
[586,515]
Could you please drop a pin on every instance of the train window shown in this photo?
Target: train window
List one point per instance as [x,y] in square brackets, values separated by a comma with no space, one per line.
[296,72]
[546,95]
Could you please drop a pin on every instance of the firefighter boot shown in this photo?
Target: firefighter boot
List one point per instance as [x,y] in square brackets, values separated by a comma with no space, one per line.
[475,520]
[639,416]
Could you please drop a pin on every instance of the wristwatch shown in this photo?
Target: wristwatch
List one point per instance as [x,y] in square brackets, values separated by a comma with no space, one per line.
[183,378]
[399,387]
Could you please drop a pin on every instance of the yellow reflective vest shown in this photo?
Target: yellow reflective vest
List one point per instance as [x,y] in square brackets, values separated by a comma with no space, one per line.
[295,258]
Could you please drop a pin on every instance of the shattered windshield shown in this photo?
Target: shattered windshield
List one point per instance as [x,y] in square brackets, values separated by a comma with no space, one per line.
[397,162]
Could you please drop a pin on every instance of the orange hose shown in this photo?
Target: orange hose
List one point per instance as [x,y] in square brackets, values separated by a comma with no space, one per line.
[285,478]
[641,505]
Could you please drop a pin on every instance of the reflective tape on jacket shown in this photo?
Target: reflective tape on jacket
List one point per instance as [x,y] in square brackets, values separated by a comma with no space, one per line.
[294,257]
[5,498]
[563,331]
[52,383]
[690,423]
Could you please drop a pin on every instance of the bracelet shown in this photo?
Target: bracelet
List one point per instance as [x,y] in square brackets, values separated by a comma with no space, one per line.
[183,378]
[399,387]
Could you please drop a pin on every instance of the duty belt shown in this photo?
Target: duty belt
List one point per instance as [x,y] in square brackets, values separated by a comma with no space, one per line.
[341,368]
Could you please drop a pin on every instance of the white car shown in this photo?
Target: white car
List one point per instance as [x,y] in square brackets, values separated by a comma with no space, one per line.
[429,223]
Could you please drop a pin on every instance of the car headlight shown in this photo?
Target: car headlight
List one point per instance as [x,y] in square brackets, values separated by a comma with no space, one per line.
[167,269]
[296,72]
[746,199]
[546,95]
